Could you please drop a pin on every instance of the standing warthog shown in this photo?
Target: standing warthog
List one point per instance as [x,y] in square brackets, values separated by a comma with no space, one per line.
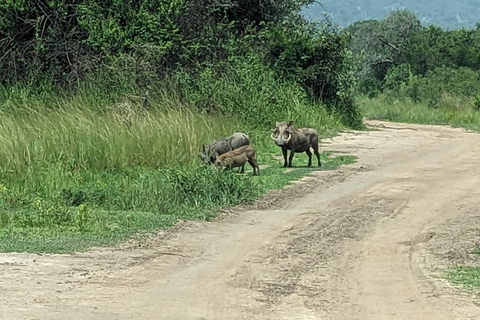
[211,152]
[237,158]
[296,140]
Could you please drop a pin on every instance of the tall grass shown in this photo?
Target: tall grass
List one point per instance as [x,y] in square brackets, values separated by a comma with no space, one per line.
[85,168]
[35,138]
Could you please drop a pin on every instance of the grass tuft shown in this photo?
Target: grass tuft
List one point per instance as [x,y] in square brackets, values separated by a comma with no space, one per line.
[468,277]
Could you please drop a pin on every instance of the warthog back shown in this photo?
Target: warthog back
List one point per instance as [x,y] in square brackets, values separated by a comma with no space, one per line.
[210,152]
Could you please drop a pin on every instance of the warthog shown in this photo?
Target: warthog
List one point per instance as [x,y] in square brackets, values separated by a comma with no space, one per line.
[237,158]
[210,152]
[296,140]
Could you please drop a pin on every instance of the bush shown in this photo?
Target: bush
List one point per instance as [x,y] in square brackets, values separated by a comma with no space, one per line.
[319,60]
[252,92]
[456,82]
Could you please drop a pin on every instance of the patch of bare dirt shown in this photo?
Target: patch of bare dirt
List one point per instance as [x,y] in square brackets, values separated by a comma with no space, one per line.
[455,242]
[360,242]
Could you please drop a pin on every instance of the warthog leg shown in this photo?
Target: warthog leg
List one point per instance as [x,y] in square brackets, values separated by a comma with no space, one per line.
[318,156]
[292,153]
[284,151]
[254,164]
[309,154]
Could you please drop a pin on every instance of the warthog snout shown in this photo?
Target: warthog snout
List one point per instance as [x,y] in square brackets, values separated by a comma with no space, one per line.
[282,134]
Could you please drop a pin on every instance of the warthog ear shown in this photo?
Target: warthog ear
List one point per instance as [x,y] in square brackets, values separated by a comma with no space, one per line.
[277,123]
[289,123]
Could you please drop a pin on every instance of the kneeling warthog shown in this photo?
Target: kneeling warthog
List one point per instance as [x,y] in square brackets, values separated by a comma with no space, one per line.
[210,152]
[238,157]
[296,140]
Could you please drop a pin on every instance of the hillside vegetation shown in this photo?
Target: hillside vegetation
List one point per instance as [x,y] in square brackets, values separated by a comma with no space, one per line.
[445,14]
[409,72]
[105,106]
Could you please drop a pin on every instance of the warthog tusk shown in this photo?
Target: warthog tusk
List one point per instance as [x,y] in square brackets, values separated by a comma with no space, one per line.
[289,137]
[273,136]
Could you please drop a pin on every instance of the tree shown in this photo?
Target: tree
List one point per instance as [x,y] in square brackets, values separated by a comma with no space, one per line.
[379,45]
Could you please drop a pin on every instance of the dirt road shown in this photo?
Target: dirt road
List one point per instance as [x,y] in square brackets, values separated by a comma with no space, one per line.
[354,243]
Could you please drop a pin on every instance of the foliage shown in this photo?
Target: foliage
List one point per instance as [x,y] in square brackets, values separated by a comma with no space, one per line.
[318,59]
[379,45]
[398,56]
[66,39]
[434,48]
[452,110]
[65,43]
[461,82]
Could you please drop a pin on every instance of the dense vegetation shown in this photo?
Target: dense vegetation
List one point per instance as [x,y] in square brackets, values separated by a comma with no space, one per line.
[445,14]
[409,72]
[105,106]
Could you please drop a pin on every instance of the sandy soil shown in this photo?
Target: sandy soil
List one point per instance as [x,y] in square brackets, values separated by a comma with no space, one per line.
[361,242]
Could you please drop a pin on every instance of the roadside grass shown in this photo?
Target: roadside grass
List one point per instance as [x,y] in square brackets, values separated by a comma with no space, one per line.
[448,110]
[56,227]
[467,277]
[76,174]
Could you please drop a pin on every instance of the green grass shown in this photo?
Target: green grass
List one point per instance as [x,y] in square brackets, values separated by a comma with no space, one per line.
[55,226]
[468,277]
[454,111]
[80,171]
